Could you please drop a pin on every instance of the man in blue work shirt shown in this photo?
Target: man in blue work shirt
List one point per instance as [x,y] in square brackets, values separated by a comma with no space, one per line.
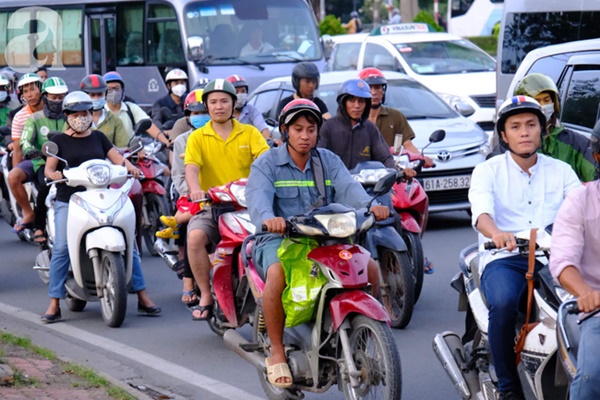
[270,202]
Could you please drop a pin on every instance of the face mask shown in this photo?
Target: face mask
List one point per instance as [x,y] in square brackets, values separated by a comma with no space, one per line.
[55,107]
[3,96]
[98,104]
[81,123]
[548,110]
[241,100]
[178,90]
[114,96]
[199,120]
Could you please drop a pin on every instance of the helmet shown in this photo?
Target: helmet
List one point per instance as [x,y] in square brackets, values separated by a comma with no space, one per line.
[238,81]
[114,77]
[193,102]
[534,84]
[356,88]
[55,85]
[296,107]
[93,84]
[354,14]
[77,101]
[305,70]
[595,138]
[374,76]
[175,75]
[29,78]
[518,105]
[4,83]
[219,85]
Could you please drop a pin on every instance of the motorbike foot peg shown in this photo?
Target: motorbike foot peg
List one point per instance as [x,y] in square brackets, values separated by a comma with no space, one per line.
[251,347]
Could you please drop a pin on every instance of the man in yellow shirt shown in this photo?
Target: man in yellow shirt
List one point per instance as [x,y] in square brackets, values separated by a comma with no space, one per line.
[219,152]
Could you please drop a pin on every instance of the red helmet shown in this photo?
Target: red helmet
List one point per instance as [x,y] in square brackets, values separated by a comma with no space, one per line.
[374,76]
[296,107]
[238,81]
[193,102]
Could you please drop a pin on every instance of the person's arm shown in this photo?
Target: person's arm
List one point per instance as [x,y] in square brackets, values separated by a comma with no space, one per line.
[324,135]
[26,141]
[50,169]
[154,131]
[258,143]
[260,194]
[380,151]
[409,146]
[156,114]
[116,158]
[193,164]
[588,299]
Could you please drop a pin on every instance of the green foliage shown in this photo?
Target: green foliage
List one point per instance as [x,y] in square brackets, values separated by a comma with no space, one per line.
[424,16]
[331,26]
[489,44]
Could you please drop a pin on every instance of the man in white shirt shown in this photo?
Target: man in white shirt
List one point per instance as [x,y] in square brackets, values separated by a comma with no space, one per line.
[256,44]
[518,190]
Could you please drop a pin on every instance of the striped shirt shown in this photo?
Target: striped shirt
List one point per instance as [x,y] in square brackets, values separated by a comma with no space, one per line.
[18,122]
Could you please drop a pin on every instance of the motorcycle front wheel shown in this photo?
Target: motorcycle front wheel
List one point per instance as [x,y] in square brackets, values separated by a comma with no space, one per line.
[114,300]
[156,205]
[376,357]
[399,296]
[417,259]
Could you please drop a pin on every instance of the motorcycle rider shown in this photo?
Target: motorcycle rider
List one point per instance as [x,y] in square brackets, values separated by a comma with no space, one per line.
[129,112]
[389,121]
[574,263]
[78,144]
[103,121]
[558,142]
[305,80]
[282,184]
[35,134]
[219,152]
[30,87]
[247,113]
[176,81]
[4,100]
[515,191]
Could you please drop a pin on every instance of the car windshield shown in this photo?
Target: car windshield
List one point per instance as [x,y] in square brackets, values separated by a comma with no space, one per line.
[258,31]
[445,57]
[413,99]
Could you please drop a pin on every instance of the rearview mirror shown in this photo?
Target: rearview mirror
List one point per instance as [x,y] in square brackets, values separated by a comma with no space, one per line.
[50,149]
[271,122]
[385,184]
[142,126]
[437,136]
[135,144]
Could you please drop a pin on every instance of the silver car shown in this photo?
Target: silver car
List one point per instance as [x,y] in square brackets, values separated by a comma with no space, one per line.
[465,145]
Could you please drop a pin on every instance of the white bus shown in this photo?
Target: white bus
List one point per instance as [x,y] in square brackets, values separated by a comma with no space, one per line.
[473,17]
[140,39]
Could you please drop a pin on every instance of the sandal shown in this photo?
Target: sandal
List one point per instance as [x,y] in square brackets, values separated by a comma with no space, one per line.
[278,371]
[193,298]
[21,226]
[167,233]
[40,237]
[202,309]
[428,267]
[169,221]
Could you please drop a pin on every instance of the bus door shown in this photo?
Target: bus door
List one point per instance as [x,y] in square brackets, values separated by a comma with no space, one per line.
[101,54]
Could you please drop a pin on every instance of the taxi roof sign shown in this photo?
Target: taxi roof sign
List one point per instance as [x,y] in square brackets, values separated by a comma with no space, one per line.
[402,28]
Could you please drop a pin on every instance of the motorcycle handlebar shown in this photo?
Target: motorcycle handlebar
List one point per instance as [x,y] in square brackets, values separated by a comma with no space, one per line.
[492,246]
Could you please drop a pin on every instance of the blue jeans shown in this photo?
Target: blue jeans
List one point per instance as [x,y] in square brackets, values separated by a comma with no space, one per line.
[586,385]
[503,283]
[59,265]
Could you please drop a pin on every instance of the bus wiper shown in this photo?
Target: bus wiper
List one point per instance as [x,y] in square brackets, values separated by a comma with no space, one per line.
[289,56]
[239,60]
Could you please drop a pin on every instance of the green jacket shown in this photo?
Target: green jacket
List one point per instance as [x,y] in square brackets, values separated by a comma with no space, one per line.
[113,128]
[35,134]
[4,115]
[572,148]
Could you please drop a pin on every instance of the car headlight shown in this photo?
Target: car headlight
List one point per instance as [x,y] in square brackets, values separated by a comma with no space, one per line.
[99,174]
[453,100]
[239,192]
[338,225]
[370,175]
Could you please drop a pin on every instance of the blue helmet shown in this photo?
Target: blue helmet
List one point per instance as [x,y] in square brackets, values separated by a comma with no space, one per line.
[354,88]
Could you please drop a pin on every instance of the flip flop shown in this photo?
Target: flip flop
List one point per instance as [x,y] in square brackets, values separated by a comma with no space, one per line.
[40,238]
[202,309]
[428,267]
[192,295]
[277,371]
[22,226]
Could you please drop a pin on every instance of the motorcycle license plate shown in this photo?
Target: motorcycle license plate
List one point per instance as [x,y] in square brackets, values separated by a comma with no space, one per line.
[447,183]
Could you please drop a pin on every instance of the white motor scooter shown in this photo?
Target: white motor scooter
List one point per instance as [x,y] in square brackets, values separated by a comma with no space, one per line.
[100,236]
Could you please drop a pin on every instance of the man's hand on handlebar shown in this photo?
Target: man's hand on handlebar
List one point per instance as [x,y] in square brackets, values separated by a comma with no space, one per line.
[55,176]
[275,225]
[505,240]
[197,195]
[409,173]
[428,162]
[589,301]
[380,212]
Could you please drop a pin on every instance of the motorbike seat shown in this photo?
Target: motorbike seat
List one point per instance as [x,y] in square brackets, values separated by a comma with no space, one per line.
[573,332]
[474,267]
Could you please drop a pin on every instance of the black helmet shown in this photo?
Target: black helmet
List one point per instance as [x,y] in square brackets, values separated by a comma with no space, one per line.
[355,88]
[595,138]
[93,83]
[306,70]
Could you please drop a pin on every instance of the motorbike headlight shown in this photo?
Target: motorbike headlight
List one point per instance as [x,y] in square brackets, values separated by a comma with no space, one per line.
[338,225]
[239,192]
[370,175]
[103,216]
[99,174]
[224,197]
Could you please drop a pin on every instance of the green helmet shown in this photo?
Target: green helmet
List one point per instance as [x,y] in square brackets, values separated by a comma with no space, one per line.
[55,85]
[534,84]
[219,85]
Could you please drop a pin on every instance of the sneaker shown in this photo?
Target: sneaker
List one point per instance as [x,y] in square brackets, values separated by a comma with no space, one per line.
[168,233]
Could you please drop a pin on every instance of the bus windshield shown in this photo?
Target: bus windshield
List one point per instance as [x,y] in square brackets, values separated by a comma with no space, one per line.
[257,31]
[445,57]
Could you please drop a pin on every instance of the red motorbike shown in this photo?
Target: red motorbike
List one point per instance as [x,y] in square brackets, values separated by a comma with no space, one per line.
[348,342]
[412,205]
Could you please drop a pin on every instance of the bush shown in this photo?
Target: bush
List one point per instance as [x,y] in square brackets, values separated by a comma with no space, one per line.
[424,16]
[331,26]
[489,44]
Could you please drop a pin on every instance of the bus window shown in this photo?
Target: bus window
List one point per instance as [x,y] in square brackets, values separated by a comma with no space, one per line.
[524,32]
[582,97]
[130,42]
[269,31]
[164,39]
[102,33]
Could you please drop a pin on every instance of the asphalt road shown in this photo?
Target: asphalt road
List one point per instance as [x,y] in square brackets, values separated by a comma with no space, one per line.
[183,359]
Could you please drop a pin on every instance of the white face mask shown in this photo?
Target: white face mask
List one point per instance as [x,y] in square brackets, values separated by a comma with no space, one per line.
[241,100]
[178,90]
[548,110]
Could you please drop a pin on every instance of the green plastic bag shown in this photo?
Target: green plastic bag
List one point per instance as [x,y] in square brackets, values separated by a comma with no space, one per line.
[302,290]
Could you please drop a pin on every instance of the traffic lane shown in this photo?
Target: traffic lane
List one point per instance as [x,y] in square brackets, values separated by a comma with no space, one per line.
[174,337]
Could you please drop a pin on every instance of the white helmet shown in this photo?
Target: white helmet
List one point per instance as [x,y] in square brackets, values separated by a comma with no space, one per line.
[30,78]
[4,82]
[175,75]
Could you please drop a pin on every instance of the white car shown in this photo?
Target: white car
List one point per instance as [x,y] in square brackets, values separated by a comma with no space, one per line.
[457,70]
[464,146]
